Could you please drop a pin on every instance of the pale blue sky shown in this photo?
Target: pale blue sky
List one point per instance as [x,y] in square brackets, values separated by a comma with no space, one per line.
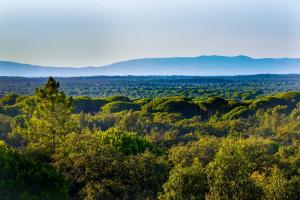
[99,32]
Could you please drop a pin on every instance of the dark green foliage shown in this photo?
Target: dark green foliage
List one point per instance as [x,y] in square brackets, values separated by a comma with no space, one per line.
[8,99]
[142,102]
[118,106]
[90,166]
[179,105]
[289,99]
[229,87]
[144,175]
[100,171]
[214,105]
[208,147]
[12,111]
[119,98]
[4,126]
[265,102]
[22,178]
[88,105]
[238,113]
[232,103]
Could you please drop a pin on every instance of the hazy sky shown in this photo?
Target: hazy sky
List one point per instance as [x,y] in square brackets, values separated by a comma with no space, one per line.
[98,32]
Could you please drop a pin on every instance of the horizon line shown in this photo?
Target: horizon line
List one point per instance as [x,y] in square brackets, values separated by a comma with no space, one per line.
[69,77]
[143,58]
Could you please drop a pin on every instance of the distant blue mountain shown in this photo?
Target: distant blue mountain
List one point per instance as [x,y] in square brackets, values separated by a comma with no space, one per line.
[202,66]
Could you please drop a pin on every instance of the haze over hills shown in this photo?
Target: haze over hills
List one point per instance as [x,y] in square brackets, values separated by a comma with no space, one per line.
[201,65]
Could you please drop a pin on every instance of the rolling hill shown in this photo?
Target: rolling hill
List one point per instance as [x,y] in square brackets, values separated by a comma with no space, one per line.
[201,65]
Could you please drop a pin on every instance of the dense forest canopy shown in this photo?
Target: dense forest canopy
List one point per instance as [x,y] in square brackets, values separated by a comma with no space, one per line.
[230,87]
[167,138]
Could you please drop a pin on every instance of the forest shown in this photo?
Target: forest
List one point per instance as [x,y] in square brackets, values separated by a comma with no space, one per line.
[171,138]
[230,87]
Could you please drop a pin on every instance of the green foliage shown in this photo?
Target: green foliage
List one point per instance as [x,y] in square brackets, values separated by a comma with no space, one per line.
[289,99]
[203,150]
[100,171]
[238,113]
[8,99]
[144,175]
[180,105]
[118,106]
[10,110]
[229,174]
[289,159]
[289,96]
[88,105]
[119,98]
[276,186]
[22,178]
[214,104]
[4,126]
[89,165]
[142,102]
[233,87]
[207,147]
[126,142]
[265,102]
[45,125]
[186,183]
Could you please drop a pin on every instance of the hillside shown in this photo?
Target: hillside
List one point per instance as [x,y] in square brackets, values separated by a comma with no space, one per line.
[202,65]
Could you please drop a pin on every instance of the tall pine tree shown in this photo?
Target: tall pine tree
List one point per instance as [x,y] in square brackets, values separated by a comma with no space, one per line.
[47,119]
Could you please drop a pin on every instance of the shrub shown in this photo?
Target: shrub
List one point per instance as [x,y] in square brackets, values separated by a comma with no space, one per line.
[88,105]
[118,106]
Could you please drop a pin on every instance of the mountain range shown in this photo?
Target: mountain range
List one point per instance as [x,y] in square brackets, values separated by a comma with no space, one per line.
[195,66]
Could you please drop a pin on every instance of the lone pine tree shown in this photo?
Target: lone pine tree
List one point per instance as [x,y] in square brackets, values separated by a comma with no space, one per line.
[47,117]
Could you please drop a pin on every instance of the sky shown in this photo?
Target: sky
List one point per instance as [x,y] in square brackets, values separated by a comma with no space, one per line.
[99,32]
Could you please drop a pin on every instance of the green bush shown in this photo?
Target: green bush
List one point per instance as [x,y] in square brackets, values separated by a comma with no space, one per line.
[88,105]
[119,98]
[238,112]
[118,106]
[12,111]
[186,183]
[21,178]
[180,105]
[126,142]
[214,105]
[8,100]
[265,102]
